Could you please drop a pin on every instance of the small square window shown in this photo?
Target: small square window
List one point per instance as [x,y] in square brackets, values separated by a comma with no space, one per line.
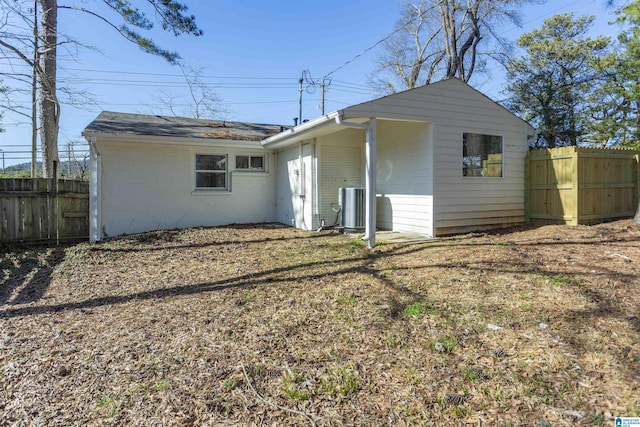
[481,155]
[257,163]
[250,163]
[242,162]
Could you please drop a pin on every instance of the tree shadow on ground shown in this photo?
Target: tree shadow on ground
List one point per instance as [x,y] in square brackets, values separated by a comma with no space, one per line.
[355,264]
[27,272]
[167,240]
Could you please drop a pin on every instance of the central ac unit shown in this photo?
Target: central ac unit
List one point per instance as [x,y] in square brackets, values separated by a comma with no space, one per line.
[352,208]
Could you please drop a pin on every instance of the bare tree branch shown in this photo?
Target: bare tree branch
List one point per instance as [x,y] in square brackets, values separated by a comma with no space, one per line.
[447,38]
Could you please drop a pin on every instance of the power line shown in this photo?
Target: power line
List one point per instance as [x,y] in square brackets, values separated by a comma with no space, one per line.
[176,75]
[373,46]
[262,82]
[351,84]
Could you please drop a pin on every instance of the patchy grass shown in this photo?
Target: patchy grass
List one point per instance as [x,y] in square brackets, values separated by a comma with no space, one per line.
[264,325]
[445,344]
[340,381]
[416,309]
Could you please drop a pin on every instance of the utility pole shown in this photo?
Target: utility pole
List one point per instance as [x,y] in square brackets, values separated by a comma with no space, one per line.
[69,158]
[300,97]
[322,103]
[34,98]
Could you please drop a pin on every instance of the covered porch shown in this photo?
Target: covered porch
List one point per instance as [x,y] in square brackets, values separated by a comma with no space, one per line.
[391,158]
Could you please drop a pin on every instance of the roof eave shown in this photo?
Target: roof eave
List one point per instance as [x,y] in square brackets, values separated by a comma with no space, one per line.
[293,134]
[94,136]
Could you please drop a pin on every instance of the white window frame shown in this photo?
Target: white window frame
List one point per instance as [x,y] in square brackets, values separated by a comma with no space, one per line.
[225,172]
[502,155]
[249,157]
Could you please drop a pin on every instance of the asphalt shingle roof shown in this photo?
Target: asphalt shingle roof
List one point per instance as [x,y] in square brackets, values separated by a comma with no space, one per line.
[113,123]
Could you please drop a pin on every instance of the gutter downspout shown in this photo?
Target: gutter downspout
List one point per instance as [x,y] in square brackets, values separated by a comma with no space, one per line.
[370,150]
[315,200]
[95,196]
[302,190]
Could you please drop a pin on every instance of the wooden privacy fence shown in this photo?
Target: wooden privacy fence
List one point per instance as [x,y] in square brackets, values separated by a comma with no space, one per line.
[576,185]
[38,209]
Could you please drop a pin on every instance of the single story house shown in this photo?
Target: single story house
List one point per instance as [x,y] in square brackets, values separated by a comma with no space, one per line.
[438,159]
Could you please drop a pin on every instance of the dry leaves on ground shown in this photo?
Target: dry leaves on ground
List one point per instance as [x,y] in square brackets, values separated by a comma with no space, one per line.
[268,325]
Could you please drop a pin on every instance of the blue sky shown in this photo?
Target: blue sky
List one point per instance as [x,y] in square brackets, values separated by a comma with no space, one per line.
[253,53]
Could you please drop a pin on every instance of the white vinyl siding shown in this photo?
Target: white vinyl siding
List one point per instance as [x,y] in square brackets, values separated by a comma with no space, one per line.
[404,183]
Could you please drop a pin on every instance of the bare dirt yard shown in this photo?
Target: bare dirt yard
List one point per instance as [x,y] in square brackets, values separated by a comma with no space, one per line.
[267,325]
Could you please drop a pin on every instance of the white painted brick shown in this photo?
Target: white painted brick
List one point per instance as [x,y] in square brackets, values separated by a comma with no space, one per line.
[153,188]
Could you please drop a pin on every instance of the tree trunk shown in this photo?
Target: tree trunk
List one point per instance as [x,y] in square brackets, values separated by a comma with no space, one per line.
[49,105]
[34,95]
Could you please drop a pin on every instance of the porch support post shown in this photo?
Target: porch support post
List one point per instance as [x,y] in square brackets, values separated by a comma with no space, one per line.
[370,209]
[370,179]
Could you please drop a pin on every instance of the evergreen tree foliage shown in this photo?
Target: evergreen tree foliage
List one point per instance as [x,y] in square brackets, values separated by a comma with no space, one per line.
[551,84]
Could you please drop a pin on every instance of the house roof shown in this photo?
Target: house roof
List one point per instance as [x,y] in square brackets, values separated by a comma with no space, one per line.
[387,107]
[127,124]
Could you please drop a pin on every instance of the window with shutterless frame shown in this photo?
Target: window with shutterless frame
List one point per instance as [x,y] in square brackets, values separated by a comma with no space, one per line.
[250,163]
[211,171]
[482,155]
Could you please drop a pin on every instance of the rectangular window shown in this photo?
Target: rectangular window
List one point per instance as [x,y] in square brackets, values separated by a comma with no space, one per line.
[211,171]
[481,155]
[252,163]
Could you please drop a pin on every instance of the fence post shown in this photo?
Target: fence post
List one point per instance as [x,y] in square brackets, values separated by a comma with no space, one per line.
[575,178]
[56,201]
[527,188]
[637,158]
